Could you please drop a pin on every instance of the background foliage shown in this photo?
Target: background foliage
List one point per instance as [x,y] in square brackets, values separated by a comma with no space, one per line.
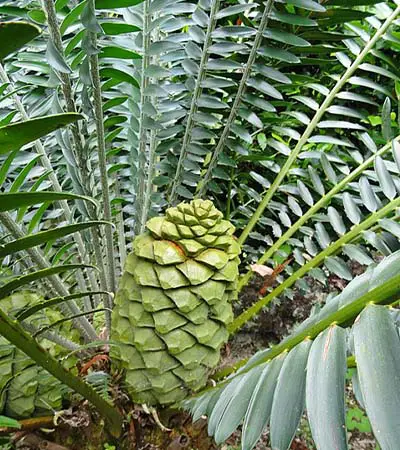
[285,114]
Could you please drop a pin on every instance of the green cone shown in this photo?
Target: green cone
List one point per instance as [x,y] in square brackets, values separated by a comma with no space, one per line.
[27,390]
[174,303]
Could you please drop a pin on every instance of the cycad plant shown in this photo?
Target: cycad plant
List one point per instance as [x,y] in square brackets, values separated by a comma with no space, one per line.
[135,137]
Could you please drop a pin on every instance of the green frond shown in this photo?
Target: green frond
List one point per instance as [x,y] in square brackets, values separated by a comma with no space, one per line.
[264,389]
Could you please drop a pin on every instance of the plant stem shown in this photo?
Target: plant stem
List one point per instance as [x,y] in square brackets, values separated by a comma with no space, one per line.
[238,99]
[322,202]
[120,227]
[149,181]
[386,293]
[243,318]
[94,63]
[52,337]
[152,158]
[66,85]
[14,333]
[30,424]
[140,210]
[101,149]
[212,20]
[82,163]
[229,196]
[313,124]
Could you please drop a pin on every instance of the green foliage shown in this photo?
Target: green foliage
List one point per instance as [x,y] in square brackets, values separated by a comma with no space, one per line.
[14,35]
[43,237]
[322,384]
[6,443]
[109,447]
[12,201]
[8,422]
[284,114]
[357,420]
[14,136]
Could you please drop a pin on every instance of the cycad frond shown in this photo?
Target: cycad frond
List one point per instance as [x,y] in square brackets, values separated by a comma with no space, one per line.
[310,365]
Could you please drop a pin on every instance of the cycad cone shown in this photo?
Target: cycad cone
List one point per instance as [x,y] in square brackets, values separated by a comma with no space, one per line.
[173,302]
[26,389]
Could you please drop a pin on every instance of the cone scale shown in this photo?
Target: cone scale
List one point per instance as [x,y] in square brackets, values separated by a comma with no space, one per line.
[174,303]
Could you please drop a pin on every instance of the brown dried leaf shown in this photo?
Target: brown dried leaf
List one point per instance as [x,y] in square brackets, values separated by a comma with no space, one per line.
[262,270]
